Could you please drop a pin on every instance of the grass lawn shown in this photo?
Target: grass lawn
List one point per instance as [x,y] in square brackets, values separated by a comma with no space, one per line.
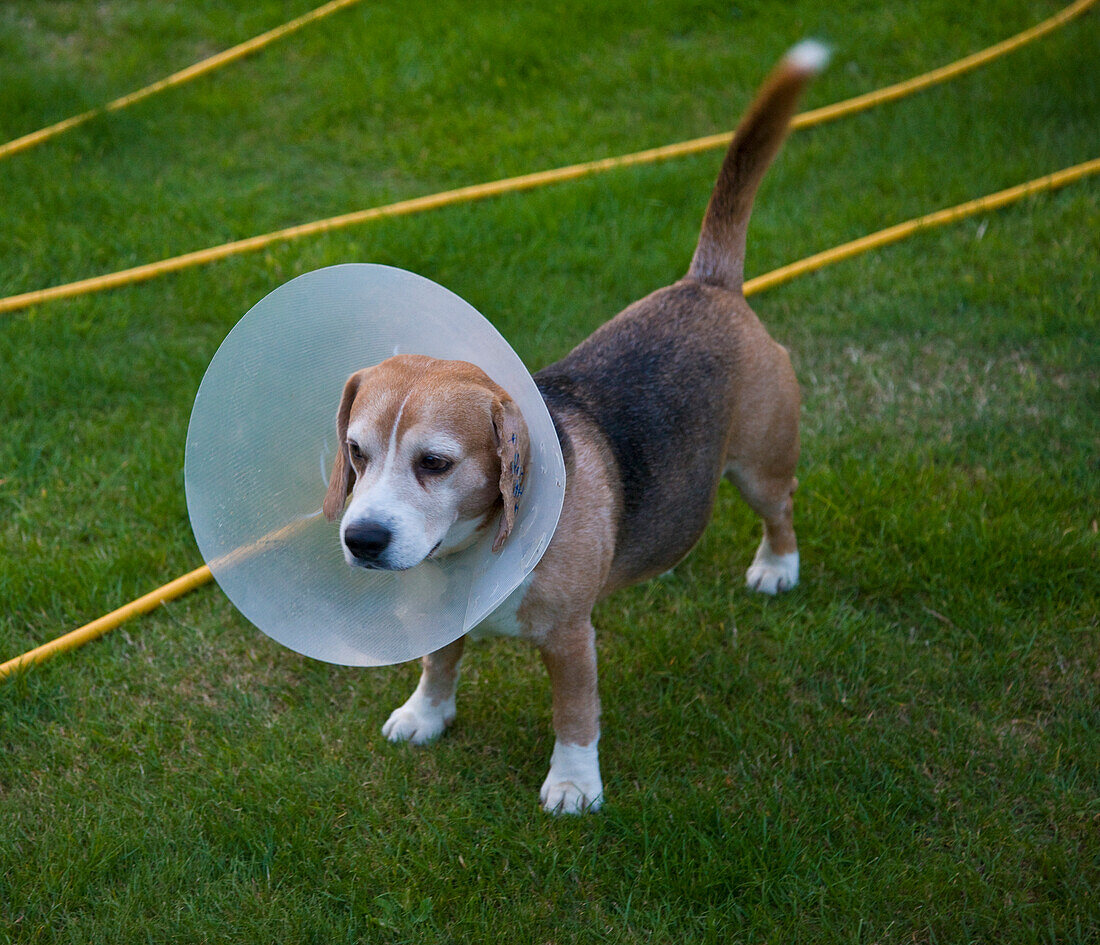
[906,748]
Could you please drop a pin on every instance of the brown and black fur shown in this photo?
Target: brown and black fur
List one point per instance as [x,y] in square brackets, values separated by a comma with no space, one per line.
[683,387]
[665,380]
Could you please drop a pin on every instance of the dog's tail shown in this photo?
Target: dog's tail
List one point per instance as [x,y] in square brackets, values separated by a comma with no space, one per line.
[720,255]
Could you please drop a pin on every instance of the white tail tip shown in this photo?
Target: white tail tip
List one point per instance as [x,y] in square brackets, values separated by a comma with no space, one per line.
[808,56]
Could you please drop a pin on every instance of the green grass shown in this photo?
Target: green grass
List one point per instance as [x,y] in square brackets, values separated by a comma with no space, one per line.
[903,749]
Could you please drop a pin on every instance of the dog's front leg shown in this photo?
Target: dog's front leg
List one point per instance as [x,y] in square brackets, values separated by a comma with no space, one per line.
[431,707]
[573,784]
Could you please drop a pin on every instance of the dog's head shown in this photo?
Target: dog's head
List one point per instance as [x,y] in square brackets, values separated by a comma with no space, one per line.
[431,453]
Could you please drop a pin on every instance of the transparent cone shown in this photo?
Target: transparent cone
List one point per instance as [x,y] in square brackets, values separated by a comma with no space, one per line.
[261,443]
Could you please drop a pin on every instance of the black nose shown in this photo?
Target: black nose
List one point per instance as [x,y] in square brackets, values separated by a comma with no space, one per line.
[367,540]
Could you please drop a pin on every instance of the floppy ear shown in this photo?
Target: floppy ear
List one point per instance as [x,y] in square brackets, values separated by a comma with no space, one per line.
[513,446]
[339,484]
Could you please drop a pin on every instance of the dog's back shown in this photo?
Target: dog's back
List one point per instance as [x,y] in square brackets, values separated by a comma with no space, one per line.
[673,382]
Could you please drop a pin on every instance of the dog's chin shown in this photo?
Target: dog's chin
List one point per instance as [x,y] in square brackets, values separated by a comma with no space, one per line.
[375,565]
[384,563]
[378,565]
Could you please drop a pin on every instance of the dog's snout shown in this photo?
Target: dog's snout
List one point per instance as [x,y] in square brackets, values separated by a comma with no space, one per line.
[367,540]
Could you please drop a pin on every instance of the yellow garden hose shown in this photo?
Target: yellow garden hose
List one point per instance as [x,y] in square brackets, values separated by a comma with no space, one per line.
[115,618]
[893,234]
[950,71]
[940,218]
[530,181]
[177,78]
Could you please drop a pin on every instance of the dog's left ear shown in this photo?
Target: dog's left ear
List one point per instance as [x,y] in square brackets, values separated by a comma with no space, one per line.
[513,446]
[339,484]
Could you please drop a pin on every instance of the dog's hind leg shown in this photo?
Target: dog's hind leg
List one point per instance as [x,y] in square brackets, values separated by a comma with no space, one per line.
[761,460]
[431,707]
[775,567]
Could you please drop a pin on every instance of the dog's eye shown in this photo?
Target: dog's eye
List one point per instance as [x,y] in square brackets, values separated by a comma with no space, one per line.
[433,463]
[356,452]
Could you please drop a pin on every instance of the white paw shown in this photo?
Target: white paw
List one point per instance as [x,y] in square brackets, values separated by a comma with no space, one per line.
[418,721]
[565,797]
[573,785]
[771,573]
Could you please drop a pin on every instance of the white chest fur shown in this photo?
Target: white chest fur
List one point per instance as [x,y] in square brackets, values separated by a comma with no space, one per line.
[504,621]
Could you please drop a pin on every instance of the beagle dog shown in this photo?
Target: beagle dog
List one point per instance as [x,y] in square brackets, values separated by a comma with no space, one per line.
[680,389]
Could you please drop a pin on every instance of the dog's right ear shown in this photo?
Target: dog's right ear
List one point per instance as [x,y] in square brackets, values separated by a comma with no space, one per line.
[339,484]
[513,446]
